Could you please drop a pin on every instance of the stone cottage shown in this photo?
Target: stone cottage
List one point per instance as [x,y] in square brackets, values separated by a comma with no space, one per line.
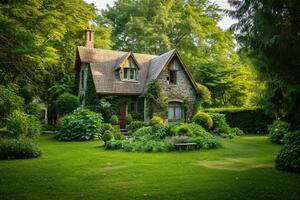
[126,74]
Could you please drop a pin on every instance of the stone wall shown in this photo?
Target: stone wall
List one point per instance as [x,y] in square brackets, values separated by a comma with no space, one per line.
[183,90]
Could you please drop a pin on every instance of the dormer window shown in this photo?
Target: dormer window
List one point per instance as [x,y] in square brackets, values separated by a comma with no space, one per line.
[173,72]
[129,70]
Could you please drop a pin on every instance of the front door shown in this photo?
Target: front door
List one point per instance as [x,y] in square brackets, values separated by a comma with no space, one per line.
[122,116]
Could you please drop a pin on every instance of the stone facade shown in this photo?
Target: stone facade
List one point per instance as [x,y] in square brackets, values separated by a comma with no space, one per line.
[180,92]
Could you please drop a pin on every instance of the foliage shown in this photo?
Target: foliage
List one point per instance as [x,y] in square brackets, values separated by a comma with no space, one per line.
[34,109]
[21,124]
[184,129]
[107,136]
[82,124]
[129,119]
[221,127]
[154,98]
[135,125]
[205,95]
[203,119]
[114,144]
[67,103]
[113,120]
[20,148]
[288,158]
[156,120]
[146,130]
[106,126]
[249,120]
[9,102]
[197,130]
[207,142]
[277,130]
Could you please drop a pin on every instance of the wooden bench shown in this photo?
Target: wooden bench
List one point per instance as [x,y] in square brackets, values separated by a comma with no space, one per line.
[186,146]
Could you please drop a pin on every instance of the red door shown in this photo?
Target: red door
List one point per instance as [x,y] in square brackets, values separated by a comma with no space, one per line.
[122,116]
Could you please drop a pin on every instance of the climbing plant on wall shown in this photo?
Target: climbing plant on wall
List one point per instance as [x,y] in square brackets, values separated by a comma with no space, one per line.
[155,101]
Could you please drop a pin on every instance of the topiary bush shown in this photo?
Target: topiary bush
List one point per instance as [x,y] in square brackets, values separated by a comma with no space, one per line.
[129,119]
[203,119]
[66,103]
[11,148]
[114,120]
[21,124]
[184,129]
[156,120]
[277,130]
[288,158]
[135,125]
[107,136]
[82,125]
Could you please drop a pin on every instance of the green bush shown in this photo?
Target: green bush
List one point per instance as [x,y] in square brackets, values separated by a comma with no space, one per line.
[198,130]
[67,103]
[221,127]
[106,126]
[146,130]
[184,129]
[203,119]
[129,119]
[9,102]
[135,125]
[288,158]
[206,142]
[83,124]
[113,120]
[277,130]
[11,148]
[114,144]
[34,109]
[21,124]
[107,136]
[249,120]
[119,136]
[156,120]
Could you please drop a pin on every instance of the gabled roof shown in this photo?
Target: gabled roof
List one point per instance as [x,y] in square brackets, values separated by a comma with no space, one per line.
[104,63]
[124,58]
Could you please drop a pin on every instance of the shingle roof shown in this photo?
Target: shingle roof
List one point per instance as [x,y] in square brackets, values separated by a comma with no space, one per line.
[105,62]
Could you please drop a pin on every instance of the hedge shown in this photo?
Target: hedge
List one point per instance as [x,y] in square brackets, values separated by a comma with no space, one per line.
[249,120]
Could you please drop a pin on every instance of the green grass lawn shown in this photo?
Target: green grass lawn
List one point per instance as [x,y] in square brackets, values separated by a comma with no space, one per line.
[242,169]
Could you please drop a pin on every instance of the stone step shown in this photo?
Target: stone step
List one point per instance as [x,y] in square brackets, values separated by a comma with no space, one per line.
[124,131]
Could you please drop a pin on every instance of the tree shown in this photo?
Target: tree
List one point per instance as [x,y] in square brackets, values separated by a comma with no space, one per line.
[67,103]
[190,26]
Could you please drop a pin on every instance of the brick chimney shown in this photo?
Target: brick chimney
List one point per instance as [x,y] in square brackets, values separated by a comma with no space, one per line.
[89,37]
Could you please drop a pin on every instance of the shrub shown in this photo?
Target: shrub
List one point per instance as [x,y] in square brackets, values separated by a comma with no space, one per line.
[67,103]
[249,120]
[146,130]
[198,130]
[184,129]
[83,124]
[21,124]
[159,131]
[107,136]
[114,144]
[203,119]
[288,158]
[135,125]
[34,109]
[156,120]
[129,119]
[277,130]
[113,120]
[106,126]
[9,102]
[119,136]
[18,148]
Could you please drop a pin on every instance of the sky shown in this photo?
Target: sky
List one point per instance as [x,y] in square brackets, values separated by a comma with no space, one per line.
[225,23]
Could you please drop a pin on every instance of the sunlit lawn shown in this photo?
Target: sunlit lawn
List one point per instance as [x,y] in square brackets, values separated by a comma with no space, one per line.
[242,169]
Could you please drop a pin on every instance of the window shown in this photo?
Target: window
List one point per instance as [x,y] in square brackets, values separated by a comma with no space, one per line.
[174,111]
[173,77]
[174,67]
[130,74]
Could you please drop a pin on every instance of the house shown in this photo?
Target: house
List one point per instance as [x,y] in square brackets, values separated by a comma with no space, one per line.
[126,74]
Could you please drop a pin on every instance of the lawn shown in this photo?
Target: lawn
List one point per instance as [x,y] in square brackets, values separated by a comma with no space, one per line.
[242,169]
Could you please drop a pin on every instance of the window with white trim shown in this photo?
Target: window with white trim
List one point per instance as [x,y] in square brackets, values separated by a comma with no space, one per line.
[129,70]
